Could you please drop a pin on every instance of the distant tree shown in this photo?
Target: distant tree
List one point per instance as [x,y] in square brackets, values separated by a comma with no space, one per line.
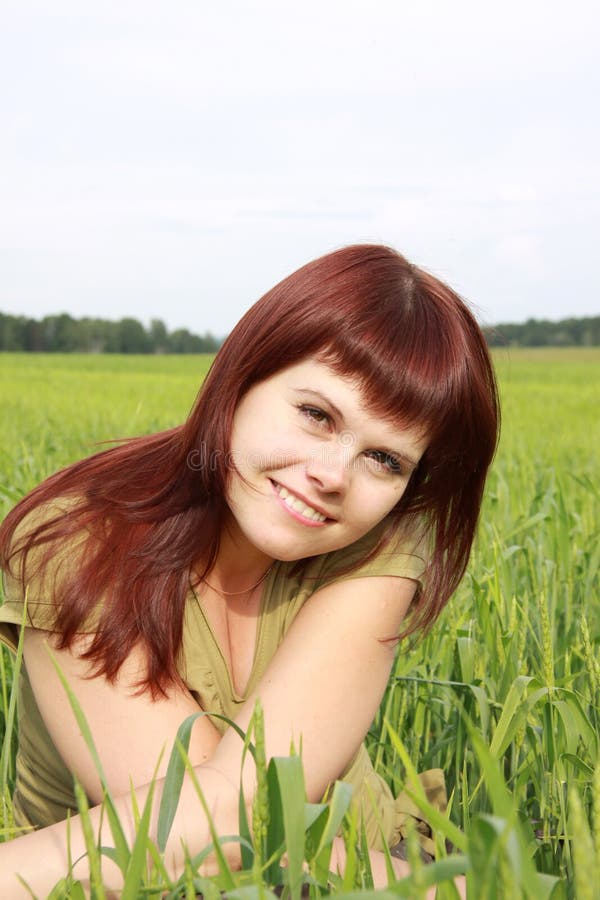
[113,337]
[132,336]
[181,341]
[85,336]
[210,344]
[33,335]
[159,336]
[11,332]
[60,334]
[63,334]
[583,332]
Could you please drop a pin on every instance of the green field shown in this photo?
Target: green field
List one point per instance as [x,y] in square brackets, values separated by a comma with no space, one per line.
[503,694]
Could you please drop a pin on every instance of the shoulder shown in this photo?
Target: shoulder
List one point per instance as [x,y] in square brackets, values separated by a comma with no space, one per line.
[394,549]
[388,550]
[41,553]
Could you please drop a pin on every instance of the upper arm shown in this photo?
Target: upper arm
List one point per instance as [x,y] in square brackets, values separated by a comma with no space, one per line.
[129,729]
[323,686]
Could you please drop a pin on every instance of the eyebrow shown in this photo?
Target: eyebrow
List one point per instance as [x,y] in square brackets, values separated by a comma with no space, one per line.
[324,399]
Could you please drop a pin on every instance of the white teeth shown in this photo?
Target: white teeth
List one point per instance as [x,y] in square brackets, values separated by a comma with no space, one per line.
[290,500]
[299,505]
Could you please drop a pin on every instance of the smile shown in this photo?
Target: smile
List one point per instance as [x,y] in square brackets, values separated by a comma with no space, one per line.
[296,505]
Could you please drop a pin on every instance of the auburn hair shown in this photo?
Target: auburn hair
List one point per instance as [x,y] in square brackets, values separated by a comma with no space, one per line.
[145,510]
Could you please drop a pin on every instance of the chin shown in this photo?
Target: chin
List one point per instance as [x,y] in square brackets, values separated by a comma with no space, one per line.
[286,553]
[295,549]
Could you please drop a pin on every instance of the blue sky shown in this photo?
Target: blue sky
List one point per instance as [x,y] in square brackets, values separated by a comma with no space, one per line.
[174,160]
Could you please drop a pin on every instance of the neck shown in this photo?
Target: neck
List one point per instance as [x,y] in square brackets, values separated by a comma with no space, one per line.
[239,564]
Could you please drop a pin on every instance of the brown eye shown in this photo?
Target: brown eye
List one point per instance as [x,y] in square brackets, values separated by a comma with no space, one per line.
[314,414]
[386,461]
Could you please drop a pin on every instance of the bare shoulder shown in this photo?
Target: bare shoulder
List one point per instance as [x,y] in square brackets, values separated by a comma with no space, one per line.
[378,604]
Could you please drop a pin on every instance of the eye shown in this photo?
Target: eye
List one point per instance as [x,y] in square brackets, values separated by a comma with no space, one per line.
[314,415]
[385,462]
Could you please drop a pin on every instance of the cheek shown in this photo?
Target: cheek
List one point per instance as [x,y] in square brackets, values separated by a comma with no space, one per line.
[285,450]
[255,456]
[374,503]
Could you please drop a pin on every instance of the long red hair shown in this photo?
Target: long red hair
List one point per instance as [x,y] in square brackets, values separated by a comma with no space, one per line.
[148,508]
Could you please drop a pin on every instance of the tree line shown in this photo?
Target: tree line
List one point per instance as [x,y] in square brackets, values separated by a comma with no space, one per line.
[64,334]
[543,333]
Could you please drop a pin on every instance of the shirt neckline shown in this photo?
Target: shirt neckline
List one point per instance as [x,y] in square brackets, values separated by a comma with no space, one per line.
[241,697]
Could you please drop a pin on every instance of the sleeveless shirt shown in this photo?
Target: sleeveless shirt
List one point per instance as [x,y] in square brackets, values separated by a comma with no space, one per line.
[44,786]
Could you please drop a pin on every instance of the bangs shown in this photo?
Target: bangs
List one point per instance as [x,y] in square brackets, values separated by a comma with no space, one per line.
[412,378]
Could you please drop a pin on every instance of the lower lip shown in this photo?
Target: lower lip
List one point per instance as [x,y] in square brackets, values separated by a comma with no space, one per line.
[294,512]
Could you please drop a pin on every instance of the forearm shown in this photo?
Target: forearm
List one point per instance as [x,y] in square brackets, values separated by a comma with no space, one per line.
[380,872]
[378,865]
[41,858]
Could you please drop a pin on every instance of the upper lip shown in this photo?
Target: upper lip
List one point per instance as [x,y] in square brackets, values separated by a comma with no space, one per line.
[310,503]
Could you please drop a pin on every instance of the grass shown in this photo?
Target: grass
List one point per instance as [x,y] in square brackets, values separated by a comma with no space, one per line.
[503,695]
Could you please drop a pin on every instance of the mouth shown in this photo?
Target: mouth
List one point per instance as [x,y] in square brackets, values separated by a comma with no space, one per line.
[300,508]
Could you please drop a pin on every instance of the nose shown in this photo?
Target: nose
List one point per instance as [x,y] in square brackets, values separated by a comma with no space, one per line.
[329,469]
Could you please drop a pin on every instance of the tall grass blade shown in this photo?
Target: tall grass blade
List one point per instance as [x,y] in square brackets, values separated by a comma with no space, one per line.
[9,725]
[285,779]
[228,881]
[92,849]
[139,853]
[174,781]
[415,790]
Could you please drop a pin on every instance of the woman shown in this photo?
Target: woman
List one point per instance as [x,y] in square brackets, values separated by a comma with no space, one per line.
[321,499]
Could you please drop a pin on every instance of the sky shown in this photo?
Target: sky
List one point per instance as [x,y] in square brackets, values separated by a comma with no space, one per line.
[176,159]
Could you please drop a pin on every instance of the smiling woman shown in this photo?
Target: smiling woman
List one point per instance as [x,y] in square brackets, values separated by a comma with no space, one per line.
[321,499]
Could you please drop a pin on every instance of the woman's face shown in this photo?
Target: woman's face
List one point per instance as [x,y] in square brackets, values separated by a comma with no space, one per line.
[316,470]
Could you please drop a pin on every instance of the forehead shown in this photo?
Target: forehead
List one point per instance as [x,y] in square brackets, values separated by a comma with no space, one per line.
[313,373]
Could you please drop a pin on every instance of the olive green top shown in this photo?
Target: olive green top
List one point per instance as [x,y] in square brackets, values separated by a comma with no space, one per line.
[44,786]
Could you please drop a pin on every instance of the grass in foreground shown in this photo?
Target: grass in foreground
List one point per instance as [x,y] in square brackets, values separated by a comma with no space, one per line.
[503,695]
